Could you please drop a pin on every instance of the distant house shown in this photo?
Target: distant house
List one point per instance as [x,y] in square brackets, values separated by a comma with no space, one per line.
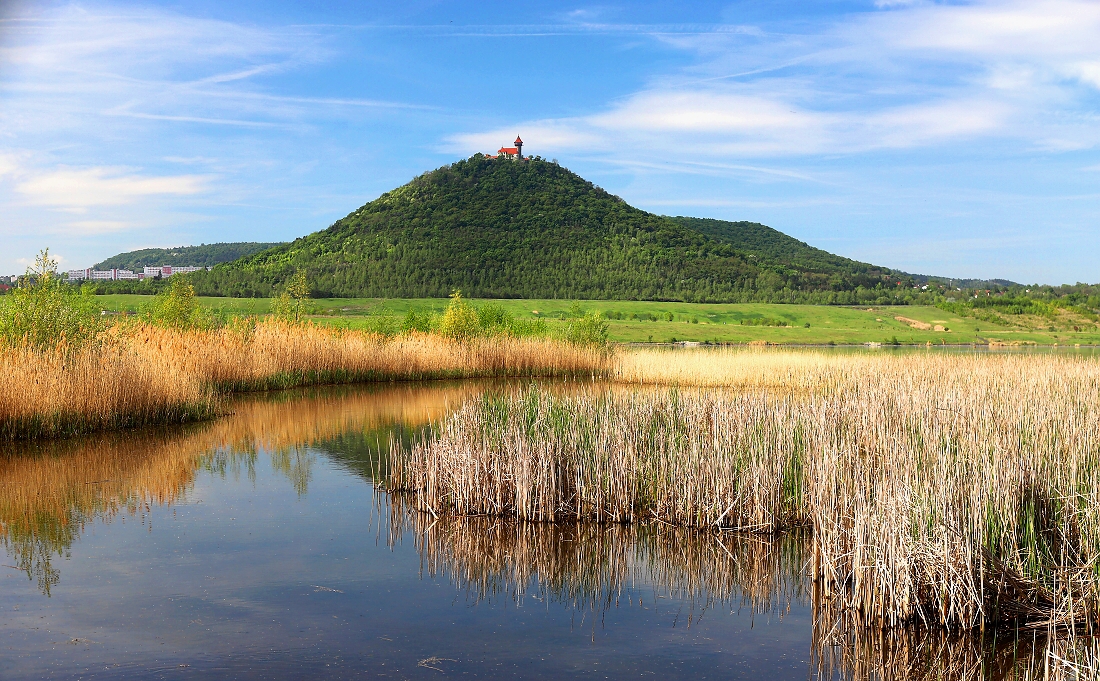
[515,153]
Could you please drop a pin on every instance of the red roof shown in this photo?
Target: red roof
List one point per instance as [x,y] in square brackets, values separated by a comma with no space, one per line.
[518,141]
[508,150]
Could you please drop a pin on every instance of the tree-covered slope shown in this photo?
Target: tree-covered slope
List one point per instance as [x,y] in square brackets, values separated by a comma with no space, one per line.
[532,229]
[775,246]
[205,255]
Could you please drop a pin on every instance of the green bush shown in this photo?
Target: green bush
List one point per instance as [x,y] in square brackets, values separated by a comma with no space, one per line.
[44,312]
[176,307]
[591,329]
[460,320]
[417,321]
[494,320]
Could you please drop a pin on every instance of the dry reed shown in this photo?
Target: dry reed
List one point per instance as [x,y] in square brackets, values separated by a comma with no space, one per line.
[951,491]
[144,375]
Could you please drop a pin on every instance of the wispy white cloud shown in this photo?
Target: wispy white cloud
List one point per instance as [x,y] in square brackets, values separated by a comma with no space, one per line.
[918,75]
[77,190]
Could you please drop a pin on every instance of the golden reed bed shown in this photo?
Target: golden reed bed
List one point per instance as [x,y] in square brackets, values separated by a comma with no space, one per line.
[144,375]
[946,490]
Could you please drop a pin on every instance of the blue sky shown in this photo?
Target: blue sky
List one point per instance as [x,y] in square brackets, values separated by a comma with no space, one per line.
[959,139]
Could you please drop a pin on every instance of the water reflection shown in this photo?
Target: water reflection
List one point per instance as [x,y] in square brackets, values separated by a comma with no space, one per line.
[613,578]
[50,492]
[595,567]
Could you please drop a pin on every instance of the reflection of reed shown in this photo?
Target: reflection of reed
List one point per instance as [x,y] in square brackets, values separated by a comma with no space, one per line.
[844,650]
[50,491]
[599,566]
[593,565]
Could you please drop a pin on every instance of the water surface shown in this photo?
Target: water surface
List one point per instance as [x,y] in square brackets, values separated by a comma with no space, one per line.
[263,545]
[258,546]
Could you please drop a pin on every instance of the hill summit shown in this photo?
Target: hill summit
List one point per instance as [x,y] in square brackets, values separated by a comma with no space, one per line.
[508,228]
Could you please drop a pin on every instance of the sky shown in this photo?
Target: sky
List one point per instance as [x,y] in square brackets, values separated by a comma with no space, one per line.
[957,139]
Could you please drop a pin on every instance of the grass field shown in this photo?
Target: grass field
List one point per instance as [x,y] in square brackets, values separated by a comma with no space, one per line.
[648,322]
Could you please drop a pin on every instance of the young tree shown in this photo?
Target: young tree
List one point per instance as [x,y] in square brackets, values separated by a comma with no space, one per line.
[175,306]
[44,312]
[291,303]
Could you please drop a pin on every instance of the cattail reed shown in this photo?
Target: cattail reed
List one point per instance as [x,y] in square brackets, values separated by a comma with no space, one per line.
[953,491]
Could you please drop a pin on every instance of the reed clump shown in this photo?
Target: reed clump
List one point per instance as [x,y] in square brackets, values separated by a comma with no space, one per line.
[950,491]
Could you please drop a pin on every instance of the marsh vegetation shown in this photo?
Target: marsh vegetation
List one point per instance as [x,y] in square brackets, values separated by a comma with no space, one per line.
[67,370]
[956,492]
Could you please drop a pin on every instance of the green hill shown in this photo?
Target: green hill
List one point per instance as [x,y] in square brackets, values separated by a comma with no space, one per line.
[774,246]
[533,229]
[205,255]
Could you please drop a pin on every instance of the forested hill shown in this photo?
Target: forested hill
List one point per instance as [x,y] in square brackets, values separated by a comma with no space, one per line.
[532,229]
[205,255]
[775,246]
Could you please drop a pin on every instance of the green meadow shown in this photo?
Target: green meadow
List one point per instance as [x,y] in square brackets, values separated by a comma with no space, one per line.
[659,322]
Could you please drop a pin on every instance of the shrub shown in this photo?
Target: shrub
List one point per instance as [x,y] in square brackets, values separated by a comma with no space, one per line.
[416,321]
[459,321]
[44,312]
[494,320]
[176,307]
[591,329]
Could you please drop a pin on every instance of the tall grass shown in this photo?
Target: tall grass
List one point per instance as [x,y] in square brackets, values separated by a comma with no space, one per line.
[144,374]
[953,491]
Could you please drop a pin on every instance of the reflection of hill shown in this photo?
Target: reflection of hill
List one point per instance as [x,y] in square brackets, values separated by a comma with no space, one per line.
[50,491]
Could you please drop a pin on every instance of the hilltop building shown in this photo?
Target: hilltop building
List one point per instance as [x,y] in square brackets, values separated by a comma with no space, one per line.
[515,153]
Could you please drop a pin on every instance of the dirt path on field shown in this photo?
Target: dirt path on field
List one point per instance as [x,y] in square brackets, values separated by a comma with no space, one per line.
[923,326]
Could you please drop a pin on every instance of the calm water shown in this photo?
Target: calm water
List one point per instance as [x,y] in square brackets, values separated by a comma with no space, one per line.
[258,546]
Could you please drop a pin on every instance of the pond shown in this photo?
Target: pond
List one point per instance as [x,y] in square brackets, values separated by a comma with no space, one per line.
[264,545]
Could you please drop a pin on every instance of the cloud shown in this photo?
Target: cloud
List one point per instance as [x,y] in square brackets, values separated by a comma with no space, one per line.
[919,75]
[717,123]
[77,190]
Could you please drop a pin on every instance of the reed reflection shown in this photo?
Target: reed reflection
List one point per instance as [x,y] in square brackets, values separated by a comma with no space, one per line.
[598,567]
[51,491]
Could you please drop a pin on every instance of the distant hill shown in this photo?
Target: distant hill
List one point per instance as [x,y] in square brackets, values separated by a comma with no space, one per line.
[206,255]
[533,229]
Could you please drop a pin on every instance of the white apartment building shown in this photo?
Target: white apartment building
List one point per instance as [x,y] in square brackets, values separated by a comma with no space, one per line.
[116,274]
